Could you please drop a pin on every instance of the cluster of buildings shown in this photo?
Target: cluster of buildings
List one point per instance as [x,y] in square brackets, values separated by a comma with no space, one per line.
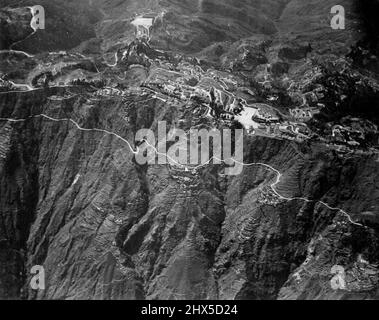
[362,276]
[286,130]
[5,85]
[347,136]
[351,135]
[265,114]
[211,90]
[110,92]
[178,90]
[268,197]
[304,114]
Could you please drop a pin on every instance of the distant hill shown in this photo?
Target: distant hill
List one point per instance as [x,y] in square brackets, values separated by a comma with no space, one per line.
[68,24]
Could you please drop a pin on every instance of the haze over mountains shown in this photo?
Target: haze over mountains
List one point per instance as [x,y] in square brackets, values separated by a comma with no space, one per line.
[74,200]
[192,27]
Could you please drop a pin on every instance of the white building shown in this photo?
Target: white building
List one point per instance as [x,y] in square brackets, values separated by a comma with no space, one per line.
[143,25]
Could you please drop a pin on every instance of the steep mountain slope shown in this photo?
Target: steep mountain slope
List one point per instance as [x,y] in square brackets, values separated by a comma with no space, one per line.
[181,236]
[74,199]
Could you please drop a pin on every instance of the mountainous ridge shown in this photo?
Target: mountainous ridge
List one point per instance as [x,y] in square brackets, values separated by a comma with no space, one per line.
[73,198]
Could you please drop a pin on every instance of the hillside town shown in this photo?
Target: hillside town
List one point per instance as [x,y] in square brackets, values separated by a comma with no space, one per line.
[215,94]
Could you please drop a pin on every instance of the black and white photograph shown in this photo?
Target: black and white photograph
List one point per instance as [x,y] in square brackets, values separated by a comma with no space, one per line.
[168,151]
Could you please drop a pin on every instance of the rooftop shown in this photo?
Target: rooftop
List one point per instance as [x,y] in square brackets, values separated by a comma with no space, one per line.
[142,21]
